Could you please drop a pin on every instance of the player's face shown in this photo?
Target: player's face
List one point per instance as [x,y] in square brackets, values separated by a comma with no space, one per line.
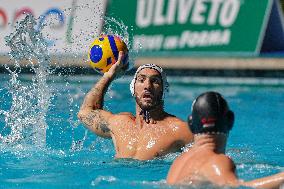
[148,89]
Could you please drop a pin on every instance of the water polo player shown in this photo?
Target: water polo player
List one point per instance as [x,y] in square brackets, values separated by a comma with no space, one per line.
[206,161]
[151,132]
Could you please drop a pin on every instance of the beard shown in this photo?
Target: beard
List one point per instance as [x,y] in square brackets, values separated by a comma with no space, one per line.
[147,106]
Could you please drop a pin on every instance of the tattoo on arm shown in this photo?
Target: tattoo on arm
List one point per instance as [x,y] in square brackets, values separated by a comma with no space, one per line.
[94,119]
[92,106]
[93,99]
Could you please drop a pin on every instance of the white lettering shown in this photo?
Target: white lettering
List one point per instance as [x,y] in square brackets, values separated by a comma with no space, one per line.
[226,37]
[144,42]
[171,12]
[214,37]
[197,12]
[194,39]
[214,12]
[159,19]
[199,9]
[144,13]
[184,38]
[171,42]
[184,10]
[205,38]
[229,12]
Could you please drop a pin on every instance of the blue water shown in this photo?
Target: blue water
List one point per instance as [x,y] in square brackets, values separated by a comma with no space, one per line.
[74,158]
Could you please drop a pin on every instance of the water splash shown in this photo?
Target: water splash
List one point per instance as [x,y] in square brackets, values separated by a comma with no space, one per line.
[27,42]
[27,115]
[107,179]
[79,39]
[113,26]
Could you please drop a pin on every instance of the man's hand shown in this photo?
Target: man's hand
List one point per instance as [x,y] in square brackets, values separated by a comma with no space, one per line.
[117,68]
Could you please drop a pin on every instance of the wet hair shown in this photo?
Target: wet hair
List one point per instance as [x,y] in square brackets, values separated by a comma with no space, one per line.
[210,114]
[157,68]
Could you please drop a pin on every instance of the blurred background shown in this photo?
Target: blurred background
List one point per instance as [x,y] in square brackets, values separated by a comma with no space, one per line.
[208,38]
[235,47]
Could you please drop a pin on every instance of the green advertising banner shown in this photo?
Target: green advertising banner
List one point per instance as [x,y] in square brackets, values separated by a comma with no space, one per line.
[194,27]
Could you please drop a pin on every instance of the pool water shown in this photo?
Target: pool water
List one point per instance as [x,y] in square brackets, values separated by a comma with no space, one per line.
[76,158]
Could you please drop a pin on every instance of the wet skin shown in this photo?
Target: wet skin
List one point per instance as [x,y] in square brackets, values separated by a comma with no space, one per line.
[206,162]
[139,137]
[150,140]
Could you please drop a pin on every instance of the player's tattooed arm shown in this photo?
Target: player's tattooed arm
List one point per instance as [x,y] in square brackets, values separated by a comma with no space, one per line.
[96,122]
[91,112]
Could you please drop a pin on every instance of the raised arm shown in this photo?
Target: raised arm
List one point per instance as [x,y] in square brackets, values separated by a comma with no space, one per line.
[91,112]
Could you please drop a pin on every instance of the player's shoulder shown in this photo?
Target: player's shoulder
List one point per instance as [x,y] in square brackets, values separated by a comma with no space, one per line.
[175,120]
[177,124]
[222,161]
[179,162]
[124,115]
[222,157]
[179,129]
[121,119]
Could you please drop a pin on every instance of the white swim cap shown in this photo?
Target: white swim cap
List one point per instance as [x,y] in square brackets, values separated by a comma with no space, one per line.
[157,68]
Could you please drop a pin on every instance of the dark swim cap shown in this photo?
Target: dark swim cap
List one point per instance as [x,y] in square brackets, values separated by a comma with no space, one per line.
[210,113]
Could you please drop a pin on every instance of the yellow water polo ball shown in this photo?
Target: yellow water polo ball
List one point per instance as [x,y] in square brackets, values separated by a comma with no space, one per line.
[104,52]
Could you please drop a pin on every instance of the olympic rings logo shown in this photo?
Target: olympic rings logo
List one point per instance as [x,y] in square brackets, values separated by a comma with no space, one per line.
[42,18]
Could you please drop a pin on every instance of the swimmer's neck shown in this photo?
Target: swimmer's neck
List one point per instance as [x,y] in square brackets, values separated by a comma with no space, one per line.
[211,142]
[154,115]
